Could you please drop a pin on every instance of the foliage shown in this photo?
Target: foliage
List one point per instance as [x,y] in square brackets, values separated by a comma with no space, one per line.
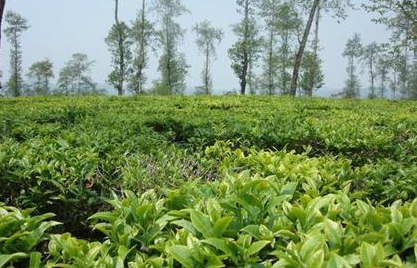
[119,42]
[16,25]
[21,235]
[143,33]
[400,17]
[172,64]
[74,78]
[353,51]
[245,51]
[41,72]
[311,77]
[281,23]
[207,35]
[199,181]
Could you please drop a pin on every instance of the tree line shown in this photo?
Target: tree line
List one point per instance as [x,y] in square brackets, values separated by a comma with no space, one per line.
[276,52]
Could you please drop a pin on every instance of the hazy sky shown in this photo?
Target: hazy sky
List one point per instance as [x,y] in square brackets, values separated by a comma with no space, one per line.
[60,28]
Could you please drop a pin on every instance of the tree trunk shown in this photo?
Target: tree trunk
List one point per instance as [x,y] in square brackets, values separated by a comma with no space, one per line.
[299,56]
[371,69]
[116,11]
[206,71]
[2,5]
[121,50]
[142,51]
[315,52]
[245,63]
[270,63]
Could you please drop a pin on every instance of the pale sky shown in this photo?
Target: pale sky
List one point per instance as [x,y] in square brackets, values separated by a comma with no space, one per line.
[60,28]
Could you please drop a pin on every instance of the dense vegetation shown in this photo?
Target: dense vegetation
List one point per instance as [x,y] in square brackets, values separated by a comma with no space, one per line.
[207,182]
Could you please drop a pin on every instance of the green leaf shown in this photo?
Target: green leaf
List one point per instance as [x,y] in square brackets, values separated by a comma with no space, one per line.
[311,246]
[6,258]
[201,222]
[256,247]
[332,232]
[35,260]
[219,244]
[413,209]
[289,188]
[214,261]
[214,209]
[187,225]
[183,255]
[337,261]
[370,255]
[415,251]
[221,226]
[253,230]
[104,216]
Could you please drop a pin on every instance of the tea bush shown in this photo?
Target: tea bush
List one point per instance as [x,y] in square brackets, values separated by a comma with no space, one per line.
[207,182]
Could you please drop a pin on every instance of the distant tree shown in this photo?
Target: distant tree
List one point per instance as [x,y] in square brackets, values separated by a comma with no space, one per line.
[74,77]
[207,36]
[353,52]
[245,52]
[119,42]
[143,35]
[311,74]
[2,5]
[16,25]
[400,16]
[338,7]
[299,56]
[172,64]
[41,72]
[370,56]
[383,67]
[280,22]
[397,63]
[393,13]
[288,25]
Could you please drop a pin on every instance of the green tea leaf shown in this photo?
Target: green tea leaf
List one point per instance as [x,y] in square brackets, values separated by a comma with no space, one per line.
[337,261]
[311,246]
[214,209]
[6,258]
[183,255]
[35,260]
[201,222]
[221,226]
[219,244]
[256,247]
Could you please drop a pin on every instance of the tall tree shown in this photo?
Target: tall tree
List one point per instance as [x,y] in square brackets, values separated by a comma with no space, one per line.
[245,51]
[299,55]
[353,51]
[269,11]
[288,25]
[315,8]
[16,25]
[400,16]
[172,64]
[311,74]
[392,12]
[382,69]
[74,78]
[315,76]
[143,36]
[2,5]
[207,36]
[370,56]
[119,42]
[41,72]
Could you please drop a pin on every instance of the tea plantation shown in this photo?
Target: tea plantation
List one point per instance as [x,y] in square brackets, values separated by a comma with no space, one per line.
[207,182]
